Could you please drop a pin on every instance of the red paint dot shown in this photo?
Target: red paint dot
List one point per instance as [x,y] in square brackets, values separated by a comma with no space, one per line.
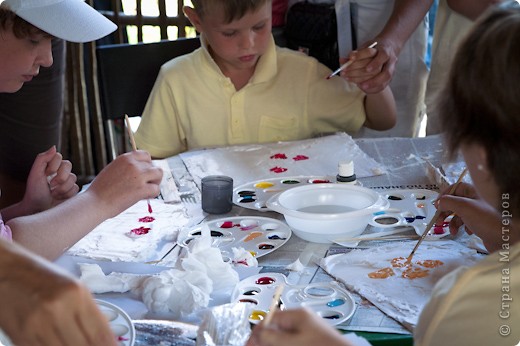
[438,230]
[147,219]
[278,169]
[300,158]
[265,280]
[279,156]
[228,224]
[141,230]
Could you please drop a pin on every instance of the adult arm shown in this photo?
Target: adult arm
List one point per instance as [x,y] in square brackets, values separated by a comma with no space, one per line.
[405,17]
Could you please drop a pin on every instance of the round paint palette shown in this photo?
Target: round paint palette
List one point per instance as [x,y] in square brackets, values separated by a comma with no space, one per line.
[120,322]
[328,299]
[258,235]
[254,195]
[410,207]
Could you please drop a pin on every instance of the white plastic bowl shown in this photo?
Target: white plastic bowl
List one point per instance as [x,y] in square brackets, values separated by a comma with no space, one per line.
[321,213]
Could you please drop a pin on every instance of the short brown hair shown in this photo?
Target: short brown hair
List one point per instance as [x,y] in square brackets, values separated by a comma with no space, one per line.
[233,9]
[20,27]
[481,102]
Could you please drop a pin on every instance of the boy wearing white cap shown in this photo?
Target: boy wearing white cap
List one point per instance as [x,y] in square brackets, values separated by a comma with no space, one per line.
[41,305]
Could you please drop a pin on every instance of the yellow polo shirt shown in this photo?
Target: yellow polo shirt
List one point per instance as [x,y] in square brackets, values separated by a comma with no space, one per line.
[193,105]
[479,305]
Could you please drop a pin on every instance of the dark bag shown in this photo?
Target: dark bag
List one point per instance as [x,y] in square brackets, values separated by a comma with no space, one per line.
[312,28]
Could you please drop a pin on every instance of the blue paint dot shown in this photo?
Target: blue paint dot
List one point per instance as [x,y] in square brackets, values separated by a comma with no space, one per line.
[410,219]
[336,302]
[420,217]
[379,213]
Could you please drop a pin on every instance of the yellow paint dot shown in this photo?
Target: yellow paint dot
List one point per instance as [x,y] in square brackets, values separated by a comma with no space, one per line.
[263,185]
[257,315]
[253,253]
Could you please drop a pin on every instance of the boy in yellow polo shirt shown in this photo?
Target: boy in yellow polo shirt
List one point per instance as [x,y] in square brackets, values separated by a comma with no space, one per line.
[240,88]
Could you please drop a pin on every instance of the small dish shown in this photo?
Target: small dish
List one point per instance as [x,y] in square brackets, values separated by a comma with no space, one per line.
[258,235]
[254,195]
[328,299]
[120,322]
[413,208]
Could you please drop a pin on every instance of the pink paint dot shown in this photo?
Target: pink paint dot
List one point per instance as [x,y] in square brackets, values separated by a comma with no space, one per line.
[141,230]
[300,158]
[279,156]
[146,219]
[278,169]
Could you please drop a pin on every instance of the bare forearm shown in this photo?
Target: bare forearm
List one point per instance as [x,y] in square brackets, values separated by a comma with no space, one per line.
[52,232]
[406,16]
[380,110]
[471,9]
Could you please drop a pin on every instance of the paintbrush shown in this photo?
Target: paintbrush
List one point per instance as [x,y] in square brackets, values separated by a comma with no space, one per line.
[435,217]
[347,64]
[387,238]
[274,304]
[134,148]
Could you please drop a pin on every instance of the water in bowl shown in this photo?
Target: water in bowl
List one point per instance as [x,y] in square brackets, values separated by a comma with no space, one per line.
[326,209]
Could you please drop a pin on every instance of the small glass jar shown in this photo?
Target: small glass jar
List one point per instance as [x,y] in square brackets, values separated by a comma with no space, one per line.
[217,194]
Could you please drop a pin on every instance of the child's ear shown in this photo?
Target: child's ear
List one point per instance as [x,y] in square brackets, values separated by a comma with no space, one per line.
[193,17]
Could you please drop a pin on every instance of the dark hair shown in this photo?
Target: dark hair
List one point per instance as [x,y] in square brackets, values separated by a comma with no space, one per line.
[233,9]
[481,101]
[20,27]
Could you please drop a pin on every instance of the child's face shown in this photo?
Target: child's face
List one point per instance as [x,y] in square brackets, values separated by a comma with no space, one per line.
[21,58]
[237,45]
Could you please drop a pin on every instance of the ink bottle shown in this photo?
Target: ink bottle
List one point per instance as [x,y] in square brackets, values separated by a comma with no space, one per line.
[346,172]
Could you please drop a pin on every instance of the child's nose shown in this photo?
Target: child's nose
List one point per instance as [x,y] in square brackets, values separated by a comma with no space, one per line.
[44,57]
[247,40]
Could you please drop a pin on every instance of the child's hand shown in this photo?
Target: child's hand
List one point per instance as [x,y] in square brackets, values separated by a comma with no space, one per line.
[50,182]
[128,179]
[372,69]
[475,214]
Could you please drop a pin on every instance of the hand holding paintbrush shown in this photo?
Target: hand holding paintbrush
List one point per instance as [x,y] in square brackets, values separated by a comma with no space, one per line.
[347,64]
[435,217]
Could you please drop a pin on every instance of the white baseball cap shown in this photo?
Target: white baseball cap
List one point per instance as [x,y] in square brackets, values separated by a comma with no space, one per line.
[71,20]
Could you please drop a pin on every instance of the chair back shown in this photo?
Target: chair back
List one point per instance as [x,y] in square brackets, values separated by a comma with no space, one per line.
[126,74]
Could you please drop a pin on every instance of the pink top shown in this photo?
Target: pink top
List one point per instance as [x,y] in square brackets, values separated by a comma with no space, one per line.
[5,231]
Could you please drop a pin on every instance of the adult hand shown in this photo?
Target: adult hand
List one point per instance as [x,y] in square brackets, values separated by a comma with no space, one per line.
[126,180]
[50,182]
[298,327]
[41,306]
[376,74]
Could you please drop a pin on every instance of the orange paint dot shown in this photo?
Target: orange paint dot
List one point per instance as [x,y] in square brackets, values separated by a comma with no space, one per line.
[398,262]
[415,273]
[252,236]
[382,273]
[430,263]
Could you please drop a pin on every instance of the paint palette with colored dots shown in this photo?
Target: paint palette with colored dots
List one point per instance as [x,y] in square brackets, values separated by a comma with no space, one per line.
[328,299]
[410,207]
[254,195]
[120,323]
[258,235]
